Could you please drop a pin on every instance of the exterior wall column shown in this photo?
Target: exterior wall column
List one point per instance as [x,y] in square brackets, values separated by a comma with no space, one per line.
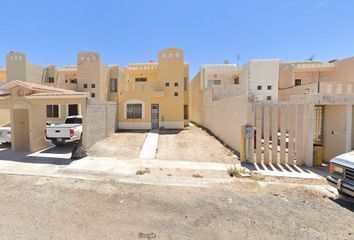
[308,134]
[348,128]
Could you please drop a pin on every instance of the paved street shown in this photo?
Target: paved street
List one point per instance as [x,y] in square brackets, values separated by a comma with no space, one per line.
[105,197]
[59,208]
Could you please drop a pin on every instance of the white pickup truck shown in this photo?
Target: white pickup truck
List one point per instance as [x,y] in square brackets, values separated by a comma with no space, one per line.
[70,131]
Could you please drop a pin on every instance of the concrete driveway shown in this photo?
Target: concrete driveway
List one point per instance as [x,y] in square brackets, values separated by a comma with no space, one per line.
[45,162]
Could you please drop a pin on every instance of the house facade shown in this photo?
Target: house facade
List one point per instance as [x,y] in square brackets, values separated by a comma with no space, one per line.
[148,95]
[307,105]
[154,95]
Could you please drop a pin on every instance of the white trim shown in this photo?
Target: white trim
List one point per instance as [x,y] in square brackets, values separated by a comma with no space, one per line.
[134,101]
[147,125]
[20,105]
[134,125]
[172,125]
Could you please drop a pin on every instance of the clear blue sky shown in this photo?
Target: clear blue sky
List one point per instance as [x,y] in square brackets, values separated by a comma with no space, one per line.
[209,31]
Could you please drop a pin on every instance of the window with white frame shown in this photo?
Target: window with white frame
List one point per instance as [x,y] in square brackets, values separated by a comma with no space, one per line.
[52,111]
[134,111]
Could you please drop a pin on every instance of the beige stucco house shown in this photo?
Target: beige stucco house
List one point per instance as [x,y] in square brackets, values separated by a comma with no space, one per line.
[154,95]
[137,96]
[311,100]
[28,105]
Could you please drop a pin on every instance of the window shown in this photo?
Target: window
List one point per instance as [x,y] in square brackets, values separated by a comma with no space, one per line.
[73,110]
[93,95]
[237,80]
[185,84]
[297,82]
[93,85]
[259,87]
[176,94]
[73,120]
[50,79]
[176,84]
[142,79]
[66,81]
[135,111]
[167,84]
[213,82]
[269,87]
[52,111]
[269,97]
[185,110]
[73,81]
[85,85]
[113,84]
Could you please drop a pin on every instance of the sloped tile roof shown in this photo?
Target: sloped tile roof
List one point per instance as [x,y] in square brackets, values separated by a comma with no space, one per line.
[43,90]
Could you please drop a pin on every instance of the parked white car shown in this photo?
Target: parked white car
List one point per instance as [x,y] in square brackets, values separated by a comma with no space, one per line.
[5,133]
[70,131]
[342,173]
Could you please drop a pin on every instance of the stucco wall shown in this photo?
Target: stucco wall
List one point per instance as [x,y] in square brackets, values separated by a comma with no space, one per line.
[195,102]
[262,73]
[4,116]
[223,118]
[334,131]
[34,73]
[100,121]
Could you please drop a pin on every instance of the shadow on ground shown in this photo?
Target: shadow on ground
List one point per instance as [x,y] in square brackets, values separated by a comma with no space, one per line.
[346,202]
[53,155]
[323,171]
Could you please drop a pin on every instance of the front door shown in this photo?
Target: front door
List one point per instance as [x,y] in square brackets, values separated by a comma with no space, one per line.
[154,116]
[20,131]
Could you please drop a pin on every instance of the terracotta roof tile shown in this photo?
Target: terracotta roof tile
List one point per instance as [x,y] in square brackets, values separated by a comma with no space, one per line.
[40,90]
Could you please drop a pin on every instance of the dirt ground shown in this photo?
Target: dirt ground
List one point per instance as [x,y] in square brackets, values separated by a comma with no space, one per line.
[192,144]
[57,208]
[122,145]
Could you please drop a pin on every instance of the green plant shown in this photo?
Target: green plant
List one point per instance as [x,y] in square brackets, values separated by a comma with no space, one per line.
[197,175]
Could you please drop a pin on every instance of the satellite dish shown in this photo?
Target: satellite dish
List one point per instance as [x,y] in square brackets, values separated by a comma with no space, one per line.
[311,58]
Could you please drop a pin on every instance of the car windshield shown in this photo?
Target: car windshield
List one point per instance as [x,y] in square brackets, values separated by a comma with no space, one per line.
[73,120]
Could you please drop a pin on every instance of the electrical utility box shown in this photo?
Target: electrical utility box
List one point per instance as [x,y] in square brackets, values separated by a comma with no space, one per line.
[247,135]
